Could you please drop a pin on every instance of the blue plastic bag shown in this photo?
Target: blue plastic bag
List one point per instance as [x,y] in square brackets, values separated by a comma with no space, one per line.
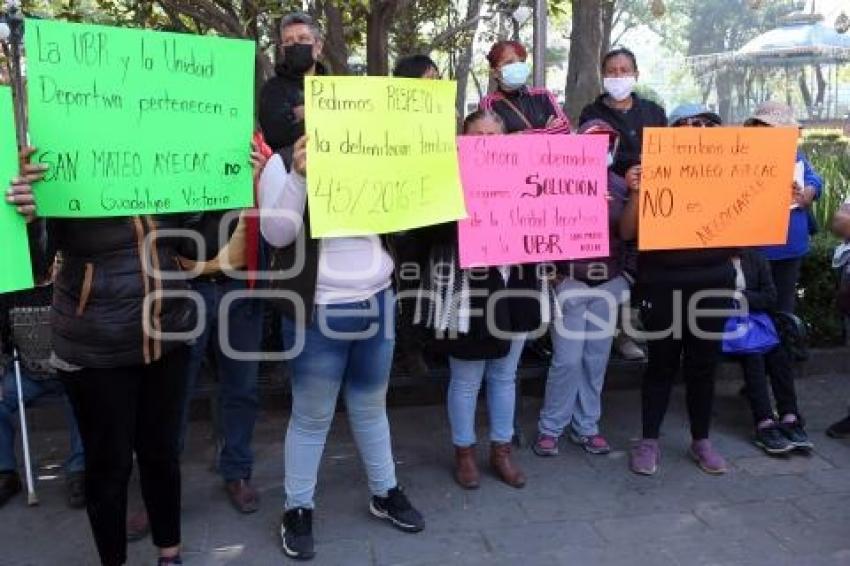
[753,333]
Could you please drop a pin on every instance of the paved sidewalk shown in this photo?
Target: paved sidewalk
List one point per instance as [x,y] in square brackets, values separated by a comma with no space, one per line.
[576,510]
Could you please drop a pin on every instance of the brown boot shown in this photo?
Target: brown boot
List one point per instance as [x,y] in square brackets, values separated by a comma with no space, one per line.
[500,460]
[466,470]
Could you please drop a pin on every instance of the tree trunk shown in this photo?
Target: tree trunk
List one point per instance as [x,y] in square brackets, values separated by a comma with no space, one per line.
[336,48]
[607,27]
[586,40]
[724,96]
[806,94]
[821,81]
[378,36]
[464,62]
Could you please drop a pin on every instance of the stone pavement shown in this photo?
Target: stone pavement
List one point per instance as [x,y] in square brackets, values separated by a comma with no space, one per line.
[576,510]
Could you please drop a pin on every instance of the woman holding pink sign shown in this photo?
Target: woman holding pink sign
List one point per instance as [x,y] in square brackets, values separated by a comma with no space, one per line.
[452,304]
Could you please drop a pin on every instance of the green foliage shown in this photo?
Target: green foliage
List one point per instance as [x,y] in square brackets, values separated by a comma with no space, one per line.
[724,25]
[829,152]
[816,292]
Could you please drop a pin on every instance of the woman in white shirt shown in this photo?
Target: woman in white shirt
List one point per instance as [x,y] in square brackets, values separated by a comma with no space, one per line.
[341,335]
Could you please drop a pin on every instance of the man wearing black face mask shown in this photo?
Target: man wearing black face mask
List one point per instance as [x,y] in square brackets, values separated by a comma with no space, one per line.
[282,97]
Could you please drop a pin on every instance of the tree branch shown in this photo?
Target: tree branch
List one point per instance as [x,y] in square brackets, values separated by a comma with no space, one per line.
[468,25]
[208,13]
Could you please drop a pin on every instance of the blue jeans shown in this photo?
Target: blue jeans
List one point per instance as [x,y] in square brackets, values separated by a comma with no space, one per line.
[581,344]
[32,391]
[346,344]
[466,378]
[238,399]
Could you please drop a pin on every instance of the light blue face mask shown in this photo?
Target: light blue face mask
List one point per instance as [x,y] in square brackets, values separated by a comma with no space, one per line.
[515,75]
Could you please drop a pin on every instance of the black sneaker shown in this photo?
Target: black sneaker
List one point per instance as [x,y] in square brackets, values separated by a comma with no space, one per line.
[396,509]
[841,429]
[795,433]
[296,533]
[772,440]
[10,486]
[75,490]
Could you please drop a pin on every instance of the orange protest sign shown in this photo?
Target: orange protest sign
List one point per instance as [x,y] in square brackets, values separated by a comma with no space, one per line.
[715,187]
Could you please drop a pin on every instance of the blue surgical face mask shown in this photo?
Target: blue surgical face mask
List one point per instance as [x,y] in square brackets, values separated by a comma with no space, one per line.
[515,75]
[610,160]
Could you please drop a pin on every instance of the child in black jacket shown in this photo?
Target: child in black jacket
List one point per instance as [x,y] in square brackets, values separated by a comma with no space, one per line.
[782,431]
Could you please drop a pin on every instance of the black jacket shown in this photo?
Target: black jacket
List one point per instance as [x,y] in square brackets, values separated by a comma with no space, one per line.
[101,285]
[760,291]
[643,112]
[517,313]
[278,98]
[686,269]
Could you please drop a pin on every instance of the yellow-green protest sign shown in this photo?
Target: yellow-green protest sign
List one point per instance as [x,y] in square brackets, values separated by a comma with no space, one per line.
[15,266]
[139,122]
[382,155]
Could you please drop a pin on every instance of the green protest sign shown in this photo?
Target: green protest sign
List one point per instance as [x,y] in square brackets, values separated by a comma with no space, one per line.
[139,122]
[15,266]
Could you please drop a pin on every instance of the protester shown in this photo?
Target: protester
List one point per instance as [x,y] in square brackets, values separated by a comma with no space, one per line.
[237,329]
[37,381]
[282,97]
[522,109]
[238,396]
[628,113]
[589,292]
[623,109]
[416,67]
[841,263]
[775,436]
[480,347]
[667,281]
[339,328]
[411,251]
[785,260]
[126,385]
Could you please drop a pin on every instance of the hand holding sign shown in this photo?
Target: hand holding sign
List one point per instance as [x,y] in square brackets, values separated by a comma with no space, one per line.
[20,194]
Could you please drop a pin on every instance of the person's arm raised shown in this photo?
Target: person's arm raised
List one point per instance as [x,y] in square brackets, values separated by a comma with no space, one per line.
[283,197]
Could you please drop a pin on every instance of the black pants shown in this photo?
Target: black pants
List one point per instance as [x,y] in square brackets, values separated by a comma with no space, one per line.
[786,273]
[121,411]
[777,365]
[697,356]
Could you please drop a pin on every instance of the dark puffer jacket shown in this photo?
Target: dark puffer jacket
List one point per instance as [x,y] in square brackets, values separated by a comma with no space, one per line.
[101,285]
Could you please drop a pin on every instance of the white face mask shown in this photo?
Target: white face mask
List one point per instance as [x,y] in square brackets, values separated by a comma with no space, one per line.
[620,88]
[610,160]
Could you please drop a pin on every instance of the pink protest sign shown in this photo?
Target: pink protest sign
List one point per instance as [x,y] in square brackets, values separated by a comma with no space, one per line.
[533,198]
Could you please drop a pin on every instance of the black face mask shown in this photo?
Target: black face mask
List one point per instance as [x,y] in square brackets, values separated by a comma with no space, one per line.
[298,58]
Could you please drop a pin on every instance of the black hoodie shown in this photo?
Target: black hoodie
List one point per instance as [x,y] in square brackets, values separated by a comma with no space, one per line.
[630,124]
[279,97]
